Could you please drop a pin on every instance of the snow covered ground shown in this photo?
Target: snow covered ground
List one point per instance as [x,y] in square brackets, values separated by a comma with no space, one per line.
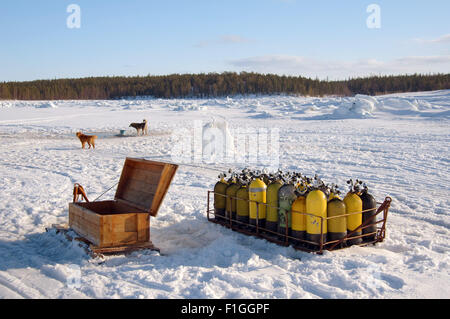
[399,144]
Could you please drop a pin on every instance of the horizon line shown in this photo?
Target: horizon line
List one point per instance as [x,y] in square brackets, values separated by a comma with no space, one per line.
[230,72]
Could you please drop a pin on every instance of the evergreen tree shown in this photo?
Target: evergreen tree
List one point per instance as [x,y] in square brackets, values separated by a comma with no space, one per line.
[216,85]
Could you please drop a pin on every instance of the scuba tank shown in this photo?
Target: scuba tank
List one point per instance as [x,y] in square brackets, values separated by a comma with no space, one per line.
[265,177]
[299,219]
[257,193]
[286,196]
[337,226]
[242,207]
[369,207]
[353,204]
[316,207]
[219,198]
[299,210]
[272,205]
[231,199]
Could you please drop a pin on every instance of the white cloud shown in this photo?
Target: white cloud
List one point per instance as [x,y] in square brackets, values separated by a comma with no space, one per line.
[424,60]
[442,39]
[310,67]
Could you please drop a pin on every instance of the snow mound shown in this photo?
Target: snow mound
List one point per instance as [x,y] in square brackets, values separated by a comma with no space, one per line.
[264,115]
[5,104]
[47,105]
[361,106]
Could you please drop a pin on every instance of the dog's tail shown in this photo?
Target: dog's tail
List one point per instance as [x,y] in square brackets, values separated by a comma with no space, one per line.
[94,137]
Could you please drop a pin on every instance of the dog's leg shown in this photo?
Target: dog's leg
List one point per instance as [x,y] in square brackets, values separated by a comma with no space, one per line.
[93,144]
[83,144]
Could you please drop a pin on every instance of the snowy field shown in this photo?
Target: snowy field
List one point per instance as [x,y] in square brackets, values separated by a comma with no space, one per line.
[399,144]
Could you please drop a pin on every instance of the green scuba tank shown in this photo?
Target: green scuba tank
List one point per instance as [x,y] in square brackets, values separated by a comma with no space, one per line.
[286,197]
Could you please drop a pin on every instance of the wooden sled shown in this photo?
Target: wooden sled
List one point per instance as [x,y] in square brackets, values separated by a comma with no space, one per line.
[122,225]
[95,251]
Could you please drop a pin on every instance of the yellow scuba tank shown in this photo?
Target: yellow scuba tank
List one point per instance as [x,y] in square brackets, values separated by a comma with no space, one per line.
[337,226]
[272,205]
[220,199]
[316,205]
[242,206]
[257,194]
[299,219]
[353,204]
[231,200]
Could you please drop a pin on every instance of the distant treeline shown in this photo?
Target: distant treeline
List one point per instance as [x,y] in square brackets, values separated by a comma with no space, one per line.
[215,85]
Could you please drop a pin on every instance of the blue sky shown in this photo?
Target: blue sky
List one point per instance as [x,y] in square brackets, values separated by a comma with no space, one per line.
[325,39]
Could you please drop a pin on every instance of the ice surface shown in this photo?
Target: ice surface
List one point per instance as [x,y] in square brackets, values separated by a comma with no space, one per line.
[399,144]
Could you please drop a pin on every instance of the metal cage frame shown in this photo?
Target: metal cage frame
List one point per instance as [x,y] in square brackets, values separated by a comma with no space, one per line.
[297,243]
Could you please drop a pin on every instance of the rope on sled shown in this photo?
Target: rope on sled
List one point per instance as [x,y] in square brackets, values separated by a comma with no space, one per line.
[106,191]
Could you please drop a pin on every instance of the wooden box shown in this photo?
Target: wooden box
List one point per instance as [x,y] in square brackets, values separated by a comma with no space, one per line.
[125,220]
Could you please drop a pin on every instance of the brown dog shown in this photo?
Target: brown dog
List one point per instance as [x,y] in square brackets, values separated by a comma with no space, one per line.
[90,139]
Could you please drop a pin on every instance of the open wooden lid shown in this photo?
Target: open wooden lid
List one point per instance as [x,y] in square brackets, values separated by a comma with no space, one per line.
[143,184]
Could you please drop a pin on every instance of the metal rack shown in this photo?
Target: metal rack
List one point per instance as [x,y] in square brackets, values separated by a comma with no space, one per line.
[379,220]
